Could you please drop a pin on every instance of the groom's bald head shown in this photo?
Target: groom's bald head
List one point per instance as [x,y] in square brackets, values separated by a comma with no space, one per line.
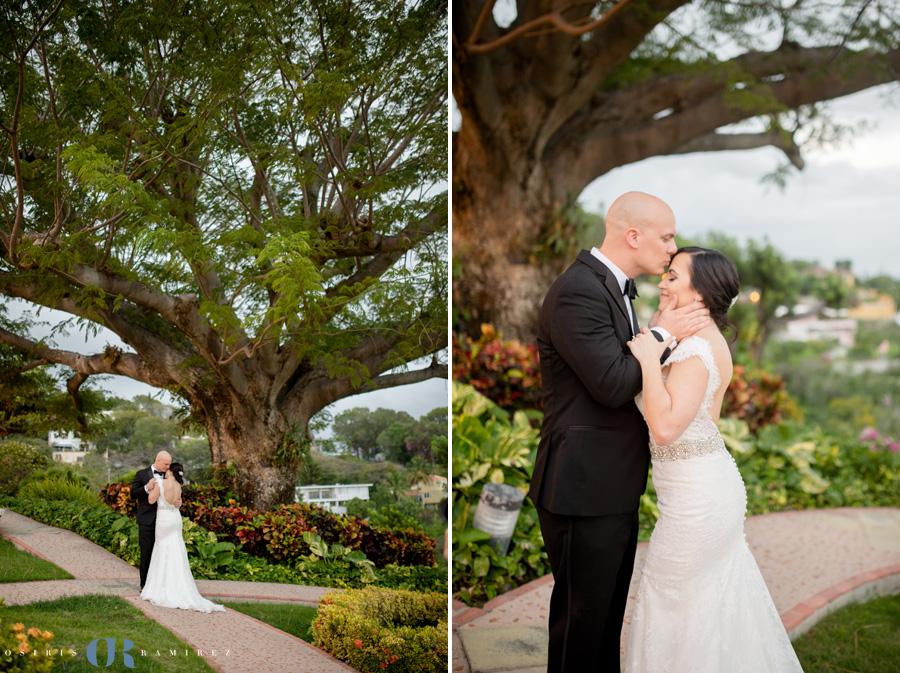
[163,460]
[640,233]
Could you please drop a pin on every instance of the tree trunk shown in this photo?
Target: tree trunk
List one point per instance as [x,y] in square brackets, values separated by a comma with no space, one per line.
[254,449]
[501,226]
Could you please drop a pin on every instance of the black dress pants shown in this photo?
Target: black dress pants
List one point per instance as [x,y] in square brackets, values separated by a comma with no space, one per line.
[146,538]
[592,559]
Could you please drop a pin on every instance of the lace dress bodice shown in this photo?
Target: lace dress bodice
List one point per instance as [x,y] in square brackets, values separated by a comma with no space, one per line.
[702,426]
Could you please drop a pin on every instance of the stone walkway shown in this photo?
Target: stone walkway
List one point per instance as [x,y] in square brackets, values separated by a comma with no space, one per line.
[814,562]
[230,642]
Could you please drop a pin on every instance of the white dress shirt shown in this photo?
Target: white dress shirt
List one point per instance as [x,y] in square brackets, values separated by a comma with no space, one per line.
[155,476]
[621,278]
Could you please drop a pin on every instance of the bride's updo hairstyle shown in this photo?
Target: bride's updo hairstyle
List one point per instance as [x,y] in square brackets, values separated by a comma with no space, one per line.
[715,277]
[177,472]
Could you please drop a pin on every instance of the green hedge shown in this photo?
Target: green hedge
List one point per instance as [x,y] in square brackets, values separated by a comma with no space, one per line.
[212,558]
[380,629]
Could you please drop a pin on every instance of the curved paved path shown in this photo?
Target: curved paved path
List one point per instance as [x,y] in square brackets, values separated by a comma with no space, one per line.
[231,642]
[814,562]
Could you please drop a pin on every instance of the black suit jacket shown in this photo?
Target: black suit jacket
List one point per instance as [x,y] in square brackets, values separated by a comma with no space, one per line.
[146,513]
[593,455]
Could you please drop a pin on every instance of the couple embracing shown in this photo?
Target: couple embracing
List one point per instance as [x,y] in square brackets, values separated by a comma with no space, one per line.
[611,389]
[166,578]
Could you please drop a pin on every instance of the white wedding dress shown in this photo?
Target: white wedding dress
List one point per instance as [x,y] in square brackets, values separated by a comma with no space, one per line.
[169,580]
[702,605]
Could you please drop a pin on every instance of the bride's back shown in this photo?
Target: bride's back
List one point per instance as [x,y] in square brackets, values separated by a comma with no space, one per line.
[171,490]
[722,355]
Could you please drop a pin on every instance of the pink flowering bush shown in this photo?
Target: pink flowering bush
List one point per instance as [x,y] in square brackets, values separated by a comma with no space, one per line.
[877,441]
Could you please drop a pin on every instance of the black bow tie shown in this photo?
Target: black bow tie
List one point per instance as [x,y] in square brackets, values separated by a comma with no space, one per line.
[630,289]
[161,474]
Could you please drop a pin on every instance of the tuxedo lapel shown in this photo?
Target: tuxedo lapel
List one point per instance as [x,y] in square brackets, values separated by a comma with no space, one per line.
[608,278]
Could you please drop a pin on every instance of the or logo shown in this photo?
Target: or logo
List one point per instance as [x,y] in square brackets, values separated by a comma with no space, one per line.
[110,652]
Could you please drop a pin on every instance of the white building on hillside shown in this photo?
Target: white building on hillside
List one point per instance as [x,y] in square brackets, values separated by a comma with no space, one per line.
[334,498]
[67,448]
[814,328]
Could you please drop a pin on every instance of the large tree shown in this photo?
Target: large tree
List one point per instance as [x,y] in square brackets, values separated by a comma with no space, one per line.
[568,91]
[251,195]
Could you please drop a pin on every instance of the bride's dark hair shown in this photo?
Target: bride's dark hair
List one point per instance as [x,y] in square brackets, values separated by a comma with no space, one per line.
[716,278]
[177,472]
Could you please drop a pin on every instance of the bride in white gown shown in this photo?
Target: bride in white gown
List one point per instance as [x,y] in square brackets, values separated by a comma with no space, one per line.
[702,605]
[170,583]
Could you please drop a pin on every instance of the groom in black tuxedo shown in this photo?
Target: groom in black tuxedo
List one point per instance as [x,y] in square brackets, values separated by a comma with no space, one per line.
[591,465]
[145,482]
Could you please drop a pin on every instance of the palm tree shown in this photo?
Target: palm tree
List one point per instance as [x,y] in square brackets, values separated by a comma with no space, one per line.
[397,482]
[417,471]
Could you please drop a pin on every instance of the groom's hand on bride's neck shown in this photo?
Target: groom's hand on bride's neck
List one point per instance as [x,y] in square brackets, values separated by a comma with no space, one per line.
[681,321]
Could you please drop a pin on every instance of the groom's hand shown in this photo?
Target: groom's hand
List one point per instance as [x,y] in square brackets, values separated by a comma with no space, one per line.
[681,322]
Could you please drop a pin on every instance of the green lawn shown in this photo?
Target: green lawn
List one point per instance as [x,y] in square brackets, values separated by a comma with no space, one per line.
[856,639]
[77,620]
[20,566]
[291,619]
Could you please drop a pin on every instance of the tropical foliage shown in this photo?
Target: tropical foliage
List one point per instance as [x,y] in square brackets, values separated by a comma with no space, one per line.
[506,371]
[785,466]
[490,445]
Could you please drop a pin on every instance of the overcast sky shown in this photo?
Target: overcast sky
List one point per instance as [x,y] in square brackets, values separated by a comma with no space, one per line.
[845,204]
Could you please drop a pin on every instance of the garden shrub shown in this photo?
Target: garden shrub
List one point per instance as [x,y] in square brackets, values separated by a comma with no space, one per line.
[793,466]
[278,534]
[30,650]
[372,629]
[57,488]
[759,399]
[17,461]
[505,371]
[785,466]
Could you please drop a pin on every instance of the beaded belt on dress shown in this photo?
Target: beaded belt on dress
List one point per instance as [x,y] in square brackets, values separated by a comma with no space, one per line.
[688,449]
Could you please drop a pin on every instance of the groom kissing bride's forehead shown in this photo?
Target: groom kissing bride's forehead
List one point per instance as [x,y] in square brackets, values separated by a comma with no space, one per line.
[592,461]
[613,396]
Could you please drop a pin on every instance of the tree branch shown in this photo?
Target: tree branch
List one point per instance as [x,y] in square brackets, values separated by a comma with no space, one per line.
[434,370]
[72,386]
[151,347]
[719,142]
[112,361]
[554,18]
[22,370]
[378,245]
[626,126]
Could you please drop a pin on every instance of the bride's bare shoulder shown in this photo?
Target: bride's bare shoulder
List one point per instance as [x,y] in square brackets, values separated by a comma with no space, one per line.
[719,346]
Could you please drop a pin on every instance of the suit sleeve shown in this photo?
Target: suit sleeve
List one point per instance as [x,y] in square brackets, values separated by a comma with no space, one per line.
[137,488]
[583,334]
